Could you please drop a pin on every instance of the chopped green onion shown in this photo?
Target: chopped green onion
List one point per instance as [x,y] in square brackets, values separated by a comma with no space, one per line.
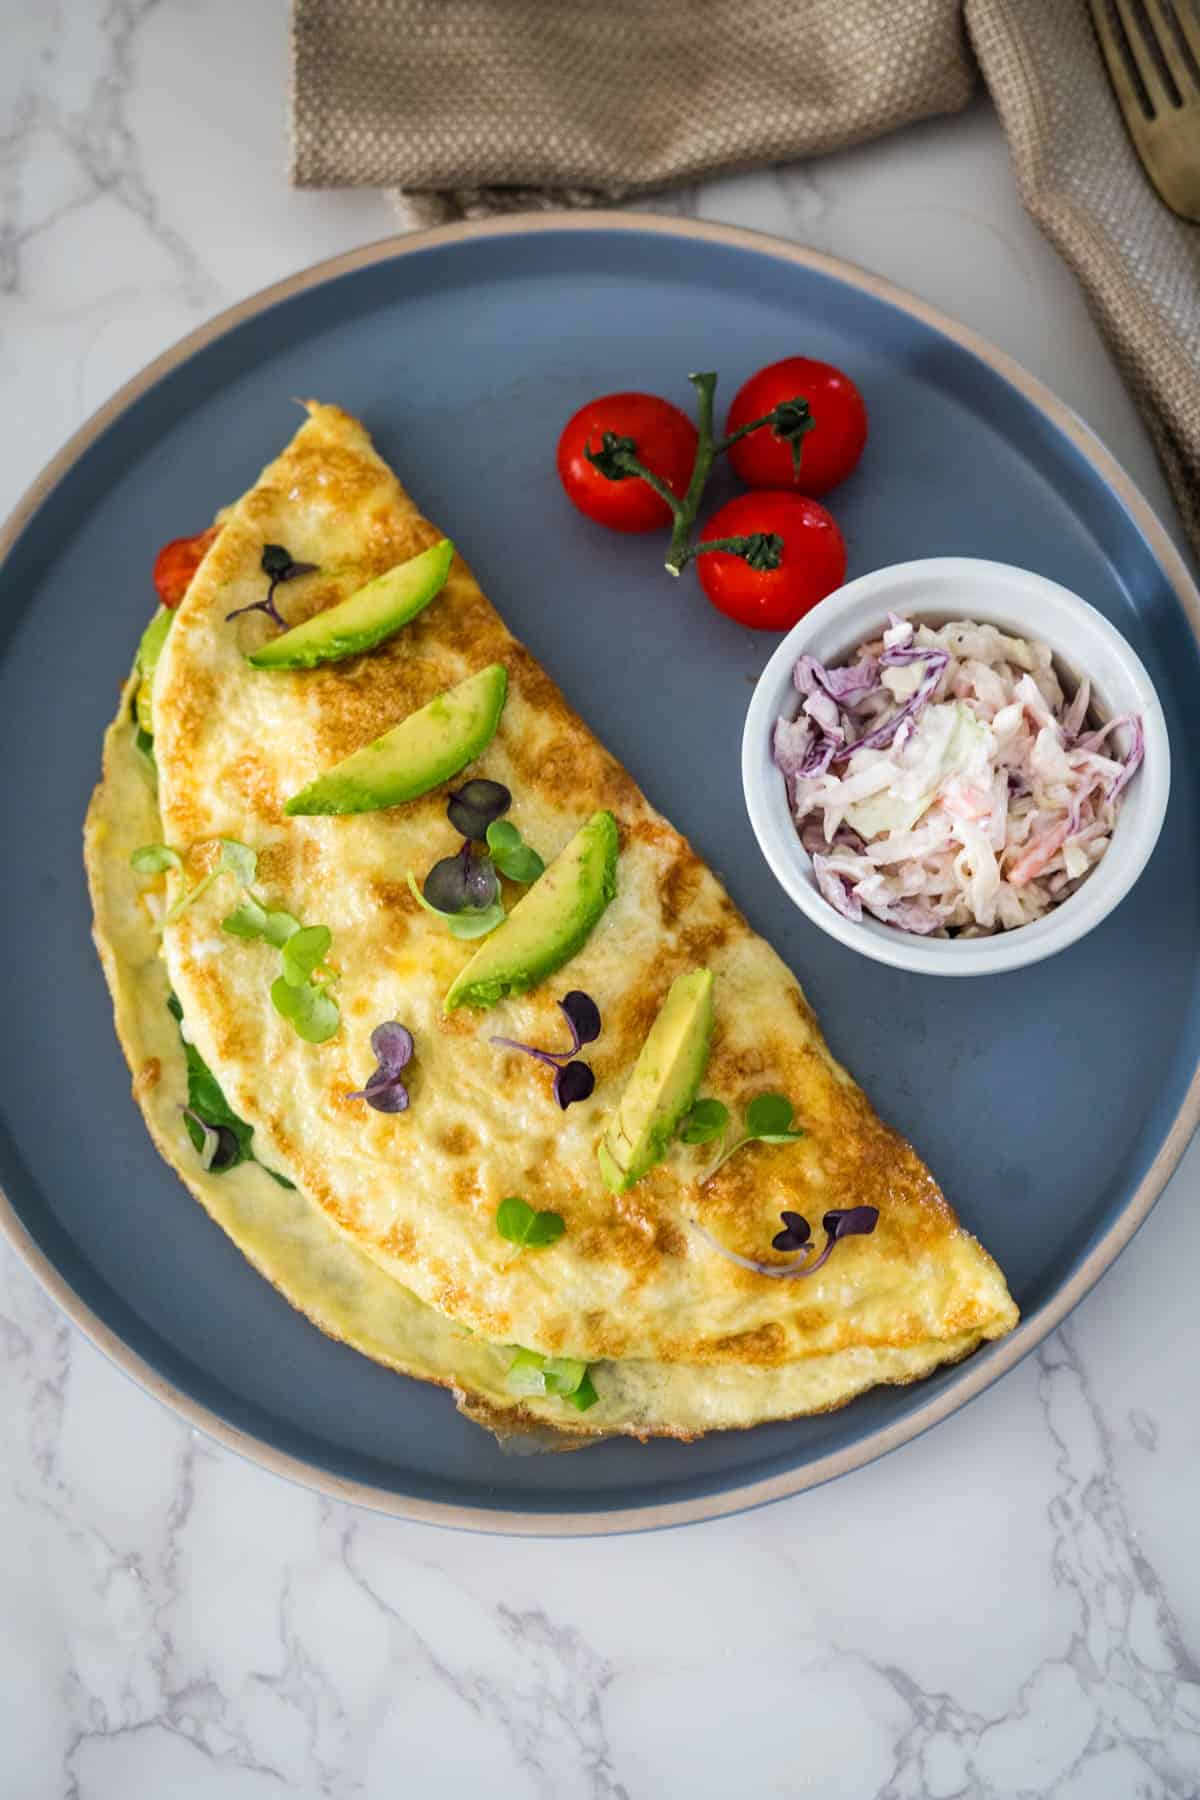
[564,1375]
[526,1373]
[585,1394]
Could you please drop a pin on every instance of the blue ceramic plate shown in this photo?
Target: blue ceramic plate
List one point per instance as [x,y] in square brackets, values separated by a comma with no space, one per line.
[1052,1103]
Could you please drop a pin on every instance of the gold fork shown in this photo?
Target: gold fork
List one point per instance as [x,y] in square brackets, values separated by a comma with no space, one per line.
[1152,48]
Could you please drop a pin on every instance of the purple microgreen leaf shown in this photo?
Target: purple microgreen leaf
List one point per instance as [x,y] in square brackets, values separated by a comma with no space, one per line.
[574,1081]
[795,1234]
[476,805]
[466,924]
[385,1093]
[278,566]
[546,1056]
[462,882]
[851,1221]
[583,1016]
[263,606]
[392,1046]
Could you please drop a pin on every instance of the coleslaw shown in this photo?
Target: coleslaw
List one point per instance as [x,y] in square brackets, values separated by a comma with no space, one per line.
[943,783]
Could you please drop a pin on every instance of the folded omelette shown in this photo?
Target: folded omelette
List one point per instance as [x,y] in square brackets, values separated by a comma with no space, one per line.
[660,1304]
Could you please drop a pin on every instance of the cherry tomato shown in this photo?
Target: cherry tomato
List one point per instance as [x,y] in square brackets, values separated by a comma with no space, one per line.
[665,441]
[828,451]
[177,562]
[814,560]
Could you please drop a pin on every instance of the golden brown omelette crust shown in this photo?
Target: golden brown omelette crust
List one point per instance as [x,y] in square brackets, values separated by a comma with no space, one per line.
[667,1294]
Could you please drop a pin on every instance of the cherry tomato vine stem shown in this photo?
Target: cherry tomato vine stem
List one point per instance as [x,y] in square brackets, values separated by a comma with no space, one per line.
[617,459]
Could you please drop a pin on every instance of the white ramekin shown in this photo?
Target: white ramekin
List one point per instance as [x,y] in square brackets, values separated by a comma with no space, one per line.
[961,587]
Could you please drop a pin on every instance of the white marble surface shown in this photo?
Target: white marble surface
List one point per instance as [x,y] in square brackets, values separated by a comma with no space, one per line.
[1008,1607]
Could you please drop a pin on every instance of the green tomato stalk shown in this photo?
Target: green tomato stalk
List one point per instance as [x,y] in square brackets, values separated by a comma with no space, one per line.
[617,459]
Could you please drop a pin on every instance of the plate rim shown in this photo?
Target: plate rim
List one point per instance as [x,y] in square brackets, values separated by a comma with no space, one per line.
[978,1373]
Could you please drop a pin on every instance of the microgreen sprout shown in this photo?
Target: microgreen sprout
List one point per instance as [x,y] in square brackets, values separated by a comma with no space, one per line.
[520,1224]
[311,1012]
[476,805]
[469,923]
[392,1047]
[572,1080]
[768,1121]
[152,859]
[511,854]
[706,1121]
[299,994]
[233,859]
[838,1223]
[278,566]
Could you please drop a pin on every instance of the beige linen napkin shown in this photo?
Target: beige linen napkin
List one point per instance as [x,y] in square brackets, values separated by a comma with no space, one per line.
[474,106]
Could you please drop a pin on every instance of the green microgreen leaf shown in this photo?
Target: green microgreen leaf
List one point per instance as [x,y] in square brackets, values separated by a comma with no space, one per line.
[310,1011]
[585,1394]
[303,953]
[239,861]
[466,925]
[191,895]
[279,927]
[528,1229]
[706,1121]
[511,854]
[768,1121]
[768,1115]
[152,859]
[234,859]
[247,920]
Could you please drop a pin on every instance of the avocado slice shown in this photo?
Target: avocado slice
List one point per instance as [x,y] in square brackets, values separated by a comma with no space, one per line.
[665,1081]
[422,751]
[548,924]
[363,620]
[148,652]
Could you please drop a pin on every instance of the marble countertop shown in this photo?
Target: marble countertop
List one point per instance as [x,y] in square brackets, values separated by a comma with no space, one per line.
[1008,1607]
